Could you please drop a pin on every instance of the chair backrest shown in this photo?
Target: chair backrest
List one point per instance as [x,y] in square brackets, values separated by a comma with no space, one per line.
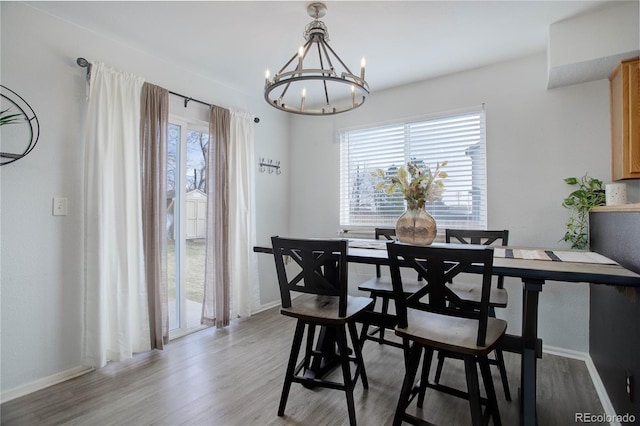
[320,267]
[480,237]
[388,234]
[437,266]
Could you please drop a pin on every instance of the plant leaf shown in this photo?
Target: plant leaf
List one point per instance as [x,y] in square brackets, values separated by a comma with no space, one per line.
[571,181]
[402,174]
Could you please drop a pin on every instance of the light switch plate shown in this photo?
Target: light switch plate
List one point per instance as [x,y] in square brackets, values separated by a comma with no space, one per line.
[59,206]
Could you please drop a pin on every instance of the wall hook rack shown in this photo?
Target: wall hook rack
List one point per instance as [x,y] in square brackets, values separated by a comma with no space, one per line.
[270,166]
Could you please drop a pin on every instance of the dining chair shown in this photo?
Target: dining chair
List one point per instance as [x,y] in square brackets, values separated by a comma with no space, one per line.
[319,272]
[470,291]
[380,287]
[430,320]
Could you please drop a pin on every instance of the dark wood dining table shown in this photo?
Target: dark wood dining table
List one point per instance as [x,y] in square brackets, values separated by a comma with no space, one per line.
[533,273]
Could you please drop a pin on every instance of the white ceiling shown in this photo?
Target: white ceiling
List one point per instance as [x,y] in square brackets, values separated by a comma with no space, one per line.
[233,42]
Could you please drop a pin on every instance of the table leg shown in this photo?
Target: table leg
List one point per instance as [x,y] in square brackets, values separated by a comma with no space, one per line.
[327,358]
[532,289]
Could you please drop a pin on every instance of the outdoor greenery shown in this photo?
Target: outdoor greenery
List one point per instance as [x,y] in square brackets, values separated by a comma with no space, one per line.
[590,193]
[195,251]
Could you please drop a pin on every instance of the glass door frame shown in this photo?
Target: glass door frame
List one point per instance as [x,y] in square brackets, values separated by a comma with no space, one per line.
[180,225]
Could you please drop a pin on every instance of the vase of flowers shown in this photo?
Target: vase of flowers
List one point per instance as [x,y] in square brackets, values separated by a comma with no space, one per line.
[418,185]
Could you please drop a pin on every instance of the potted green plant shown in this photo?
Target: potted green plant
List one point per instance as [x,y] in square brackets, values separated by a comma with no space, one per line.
[590,193]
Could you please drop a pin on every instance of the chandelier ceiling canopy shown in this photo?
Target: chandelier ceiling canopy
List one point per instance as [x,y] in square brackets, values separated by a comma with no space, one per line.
[315,81]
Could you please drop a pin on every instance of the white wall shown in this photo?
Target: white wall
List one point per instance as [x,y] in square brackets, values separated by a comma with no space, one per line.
[42,260]
[535,138]
[586,42]
[272,197]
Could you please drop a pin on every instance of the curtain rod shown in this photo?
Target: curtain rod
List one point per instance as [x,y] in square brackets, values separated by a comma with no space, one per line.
[82,62]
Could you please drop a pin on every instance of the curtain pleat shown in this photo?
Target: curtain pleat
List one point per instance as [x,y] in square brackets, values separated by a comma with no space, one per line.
[153,150]
[245,294]
[116,313]
[215,307]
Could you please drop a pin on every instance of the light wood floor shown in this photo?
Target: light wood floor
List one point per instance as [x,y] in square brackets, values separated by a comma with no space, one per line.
[234,377]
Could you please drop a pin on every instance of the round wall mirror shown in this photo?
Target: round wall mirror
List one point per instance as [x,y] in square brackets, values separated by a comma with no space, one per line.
[19,127]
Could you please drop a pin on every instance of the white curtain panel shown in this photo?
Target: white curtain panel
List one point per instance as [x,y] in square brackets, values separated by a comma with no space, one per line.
[245,294]
[116,314]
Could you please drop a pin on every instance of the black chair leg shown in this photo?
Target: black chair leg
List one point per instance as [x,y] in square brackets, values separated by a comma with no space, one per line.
[412,363]
[365,325]
[441,357]
[385,310]
[341,335]
[500,363]
[291,367]
[357,350]
[406,346]
[424,379]
[473,387]
[363,333]
[503,374]
[485,370]
[308,353]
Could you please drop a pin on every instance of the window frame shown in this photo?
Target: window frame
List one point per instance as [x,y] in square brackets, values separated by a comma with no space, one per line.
[388,141]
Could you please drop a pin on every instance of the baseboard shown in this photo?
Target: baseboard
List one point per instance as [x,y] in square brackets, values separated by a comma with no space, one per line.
[601,390]
[566,353]
[607,406]
[266,306]
[45,382]
[273,304]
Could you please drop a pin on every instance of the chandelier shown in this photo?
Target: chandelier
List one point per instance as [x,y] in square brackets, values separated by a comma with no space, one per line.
[316,81]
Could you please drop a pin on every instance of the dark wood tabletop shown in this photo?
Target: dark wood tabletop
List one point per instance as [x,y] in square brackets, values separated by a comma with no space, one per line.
[597,273]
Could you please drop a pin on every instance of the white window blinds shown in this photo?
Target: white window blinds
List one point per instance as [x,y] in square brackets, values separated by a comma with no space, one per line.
[458,138]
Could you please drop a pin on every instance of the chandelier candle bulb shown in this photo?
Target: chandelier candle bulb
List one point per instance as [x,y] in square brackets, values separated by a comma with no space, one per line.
[300,56]
[267,74]
[362,64]
[353,95]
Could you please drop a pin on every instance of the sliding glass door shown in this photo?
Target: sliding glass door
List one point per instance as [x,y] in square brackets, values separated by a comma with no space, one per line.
[186,221]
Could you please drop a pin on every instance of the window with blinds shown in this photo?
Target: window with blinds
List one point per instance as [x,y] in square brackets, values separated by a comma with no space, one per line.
[458,138]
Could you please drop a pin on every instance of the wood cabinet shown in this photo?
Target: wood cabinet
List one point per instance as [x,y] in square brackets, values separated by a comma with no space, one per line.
[625,120]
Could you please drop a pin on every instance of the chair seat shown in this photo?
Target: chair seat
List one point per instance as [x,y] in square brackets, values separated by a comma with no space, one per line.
[324,309]
[383,286]
[450,333]
[470,292]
